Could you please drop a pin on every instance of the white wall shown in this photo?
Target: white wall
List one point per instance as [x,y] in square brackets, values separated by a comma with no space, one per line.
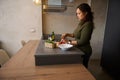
[17,18]
[99,8]
[61,22]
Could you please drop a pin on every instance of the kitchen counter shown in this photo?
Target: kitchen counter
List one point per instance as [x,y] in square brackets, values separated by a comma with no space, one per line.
[48,56]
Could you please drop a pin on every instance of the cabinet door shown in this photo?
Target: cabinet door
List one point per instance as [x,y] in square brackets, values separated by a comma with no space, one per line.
[110,60]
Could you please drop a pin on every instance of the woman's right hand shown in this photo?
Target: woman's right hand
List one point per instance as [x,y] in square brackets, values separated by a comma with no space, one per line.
[63,36]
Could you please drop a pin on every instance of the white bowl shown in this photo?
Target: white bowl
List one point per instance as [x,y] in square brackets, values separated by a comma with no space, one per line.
[65,46]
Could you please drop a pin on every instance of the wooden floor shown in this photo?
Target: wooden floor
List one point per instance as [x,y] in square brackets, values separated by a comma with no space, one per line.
[22,67]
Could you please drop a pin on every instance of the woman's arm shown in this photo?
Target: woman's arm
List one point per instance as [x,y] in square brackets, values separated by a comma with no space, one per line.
[73,42]
[67,35]
[85,34]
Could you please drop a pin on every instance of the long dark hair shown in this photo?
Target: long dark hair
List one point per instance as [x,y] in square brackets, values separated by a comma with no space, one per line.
[84,7]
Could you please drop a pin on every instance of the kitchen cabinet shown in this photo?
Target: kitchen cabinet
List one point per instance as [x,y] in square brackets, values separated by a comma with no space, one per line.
[110,60]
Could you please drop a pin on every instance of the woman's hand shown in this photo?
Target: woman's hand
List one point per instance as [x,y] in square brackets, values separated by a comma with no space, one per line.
[67,35]
[63,36]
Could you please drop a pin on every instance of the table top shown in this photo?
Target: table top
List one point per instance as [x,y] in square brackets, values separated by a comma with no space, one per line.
[22,67]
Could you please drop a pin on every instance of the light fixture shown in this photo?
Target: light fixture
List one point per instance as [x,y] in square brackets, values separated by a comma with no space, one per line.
[44,6]
[37,2]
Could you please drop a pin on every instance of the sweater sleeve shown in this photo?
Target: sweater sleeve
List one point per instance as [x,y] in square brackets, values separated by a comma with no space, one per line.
[85,35]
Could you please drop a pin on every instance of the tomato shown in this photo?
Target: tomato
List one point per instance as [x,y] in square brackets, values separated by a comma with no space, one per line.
[62,41]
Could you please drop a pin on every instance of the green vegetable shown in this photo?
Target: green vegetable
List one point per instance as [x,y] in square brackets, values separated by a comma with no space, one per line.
[49,41]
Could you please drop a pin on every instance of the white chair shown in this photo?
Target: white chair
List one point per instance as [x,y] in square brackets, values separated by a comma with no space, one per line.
[3,57]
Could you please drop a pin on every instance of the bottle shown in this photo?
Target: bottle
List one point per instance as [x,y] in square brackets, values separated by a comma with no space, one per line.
[53,36]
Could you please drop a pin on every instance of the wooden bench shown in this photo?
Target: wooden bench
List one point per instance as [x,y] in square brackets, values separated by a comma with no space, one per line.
[22,67]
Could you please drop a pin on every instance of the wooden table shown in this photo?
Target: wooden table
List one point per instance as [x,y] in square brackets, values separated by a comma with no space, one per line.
[22,67]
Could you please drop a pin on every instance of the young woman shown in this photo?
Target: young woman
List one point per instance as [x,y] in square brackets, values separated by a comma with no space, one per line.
[83,32]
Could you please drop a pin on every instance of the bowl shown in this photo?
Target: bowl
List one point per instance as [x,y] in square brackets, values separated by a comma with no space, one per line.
[65,47]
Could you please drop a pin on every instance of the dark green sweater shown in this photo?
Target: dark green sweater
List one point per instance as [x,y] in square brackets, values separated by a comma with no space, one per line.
[83,35]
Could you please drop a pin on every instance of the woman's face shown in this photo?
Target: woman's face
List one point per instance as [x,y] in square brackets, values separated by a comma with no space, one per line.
[80,15]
